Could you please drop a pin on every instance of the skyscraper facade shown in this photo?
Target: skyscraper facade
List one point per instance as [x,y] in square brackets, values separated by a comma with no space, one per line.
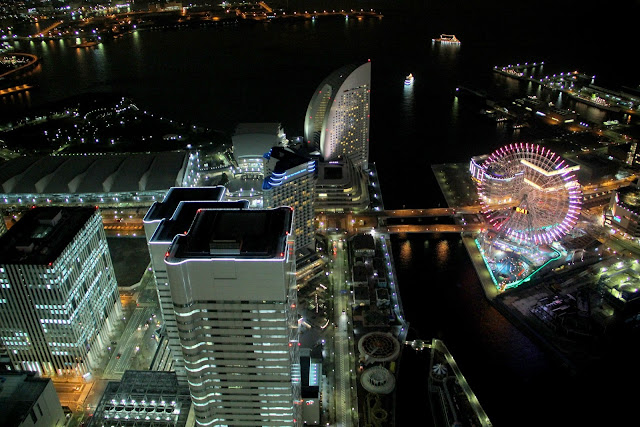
[58,293]
[173,215]
[232,280]
[289,181]
[337,119]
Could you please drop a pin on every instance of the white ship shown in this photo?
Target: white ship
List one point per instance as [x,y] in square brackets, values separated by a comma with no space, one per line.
[409,80]
[447,38]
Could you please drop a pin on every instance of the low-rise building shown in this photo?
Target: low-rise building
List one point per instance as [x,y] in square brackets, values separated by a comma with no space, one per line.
[143,398]
[133,179]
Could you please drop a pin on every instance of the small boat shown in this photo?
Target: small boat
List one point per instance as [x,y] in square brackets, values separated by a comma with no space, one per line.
[447,38]
[409,80]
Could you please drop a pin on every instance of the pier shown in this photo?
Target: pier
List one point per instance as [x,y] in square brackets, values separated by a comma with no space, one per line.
[579,86]
[270,15]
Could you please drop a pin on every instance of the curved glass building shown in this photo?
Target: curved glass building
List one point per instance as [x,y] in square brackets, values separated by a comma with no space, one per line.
[337,119]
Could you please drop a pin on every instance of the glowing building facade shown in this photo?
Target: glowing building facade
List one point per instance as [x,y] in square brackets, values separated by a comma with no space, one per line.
[162,222]
[337,119]
[250,142]
[289,181]
[58,292]
[625,211]
[232,280]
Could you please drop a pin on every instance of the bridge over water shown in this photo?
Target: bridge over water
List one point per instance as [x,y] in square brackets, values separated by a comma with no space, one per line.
[432,228]
[364,222]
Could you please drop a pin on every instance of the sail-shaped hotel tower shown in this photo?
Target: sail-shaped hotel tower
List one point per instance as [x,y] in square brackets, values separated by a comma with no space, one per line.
[337,119]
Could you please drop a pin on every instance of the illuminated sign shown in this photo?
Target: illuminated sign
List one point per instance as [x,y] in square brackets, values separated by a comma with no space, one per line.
[521,210]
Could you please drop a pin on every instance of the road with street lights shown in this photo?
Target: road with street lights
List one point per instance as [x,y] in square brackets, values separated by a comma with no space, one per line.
[139,329]
[343,387]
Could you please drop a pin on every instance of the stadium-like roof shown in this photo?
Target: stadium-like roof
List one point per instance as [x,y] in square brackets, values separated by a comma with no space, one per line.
[81,174]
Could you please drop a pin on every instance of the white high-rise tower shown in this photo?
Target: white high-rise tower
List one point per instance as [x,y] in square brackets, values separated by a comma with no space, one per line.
[162,222]
[232,280]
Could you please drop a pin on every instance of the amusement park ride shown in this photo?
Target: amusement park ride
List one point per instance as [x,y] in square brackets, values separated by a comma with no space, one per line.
[531,199]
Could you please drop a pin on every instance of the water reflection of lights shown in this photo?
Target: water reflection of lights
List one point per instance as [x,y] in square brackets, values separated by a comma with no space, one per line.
[455,107]
[408,101]
[405,251]
[442,251]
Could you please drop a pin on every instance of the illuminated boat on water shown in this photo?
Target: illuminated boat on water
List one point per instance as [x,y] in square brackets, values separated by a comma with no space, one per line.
[409,80]
[447,38]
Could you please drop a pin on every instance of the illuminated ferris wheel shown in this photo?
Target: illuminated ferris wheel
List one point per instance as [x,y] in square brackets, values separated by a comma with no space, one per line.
[529,194]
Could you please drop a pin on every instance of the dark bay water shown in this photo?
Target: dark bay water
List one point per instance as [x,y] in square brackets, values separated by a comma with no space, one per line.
[221,76]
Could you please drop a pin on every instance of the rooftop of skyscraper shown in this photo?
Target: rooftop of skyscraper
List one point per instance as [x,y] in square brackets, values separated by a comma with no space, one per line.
[176,195]
[19,390]
[182,218]
[41,234]
[235,233]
